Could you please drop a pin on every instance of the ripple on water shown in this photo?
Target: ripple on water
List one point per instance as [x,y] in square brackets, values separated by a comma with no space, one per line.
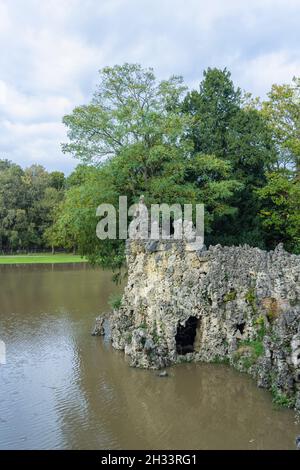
[62,388]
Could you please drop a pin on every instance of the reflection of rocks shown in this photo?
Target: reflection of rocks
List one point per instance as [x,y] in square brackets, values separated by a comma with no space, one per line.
[99,326]
[236,304]
[163,373]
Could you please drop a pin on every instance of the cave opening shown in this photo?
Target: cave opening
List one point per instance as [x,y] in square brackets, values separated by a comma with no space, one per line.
[185,336]
[241,327]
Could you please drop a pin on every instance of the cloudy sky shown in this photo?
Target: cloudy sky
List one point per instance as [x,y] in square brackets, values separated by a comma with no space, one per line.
[51,52]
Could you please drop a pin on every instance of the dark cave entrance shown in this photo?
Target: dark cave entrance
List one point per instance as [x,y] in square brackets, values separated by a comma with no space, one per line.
[241,327]
[186,335]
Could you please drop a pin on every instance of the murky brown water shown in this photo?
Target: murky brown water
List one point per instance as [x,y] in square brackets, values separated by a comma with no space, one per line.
[63,389]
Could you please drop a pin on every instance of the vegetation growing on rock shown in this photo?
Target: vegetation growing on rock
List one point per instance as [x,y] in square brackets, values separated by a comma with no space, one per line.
[179,325]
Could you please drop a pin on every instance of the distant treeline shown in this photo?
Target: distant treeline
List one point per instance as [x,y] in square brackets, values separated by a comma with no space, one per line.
[217,145]
[28,200]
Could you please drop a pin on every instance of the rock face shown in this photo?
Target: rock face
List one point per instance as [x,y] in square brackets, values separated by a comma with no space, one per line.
[229,304]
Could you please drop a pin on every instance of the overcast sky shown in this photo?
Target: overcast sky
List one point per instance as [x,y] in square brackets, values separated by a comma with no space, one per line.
[51,51]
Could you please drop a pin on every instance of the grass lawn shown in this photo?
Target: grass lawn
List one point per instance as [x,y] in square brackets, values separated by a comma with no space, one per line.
[46,258]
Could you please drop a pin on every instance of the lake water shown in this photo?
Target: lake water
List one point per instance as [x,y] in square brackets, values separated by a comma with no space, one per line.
[64,389]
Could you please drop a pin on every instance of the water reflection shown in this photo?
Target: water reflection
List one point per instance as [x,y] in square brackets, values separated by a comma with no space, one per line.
[62,388]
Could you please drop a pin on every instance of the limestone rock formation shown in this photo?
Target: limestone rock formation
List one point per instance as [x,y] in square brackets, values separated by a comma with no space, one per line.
[229,304]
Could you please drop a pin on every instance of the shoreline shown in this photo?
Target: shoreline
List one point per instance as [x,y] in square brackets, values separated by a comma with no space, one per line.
[45,258]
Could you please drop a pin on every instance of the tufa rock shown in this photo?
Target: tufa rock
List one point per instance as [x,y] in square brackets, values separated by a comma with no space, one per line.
[227,304]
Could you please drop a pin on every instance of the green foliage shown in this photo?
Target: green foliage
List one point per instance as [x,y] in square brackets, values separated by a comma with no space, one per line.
[261,331]
[253,348]
[128,337]
[184,359]
[213,146]
[212,108]
[235,132]
[260,322]
[250,298]
[230,296]
[138,123]
[282,113]
[76,221]
[128,108]
[220,360]
[248,361]
[250,350]
[115,301]
[281,399]
[28,199]
[281,210]
[256,346]
[280,197]
[139,135]
[155,335]
[248,353]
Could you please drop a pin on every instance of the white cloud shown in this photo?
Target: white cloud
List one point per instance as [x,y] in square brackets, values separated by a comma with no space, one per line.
[51,52]
[264,70]
[24,107]
[35,143]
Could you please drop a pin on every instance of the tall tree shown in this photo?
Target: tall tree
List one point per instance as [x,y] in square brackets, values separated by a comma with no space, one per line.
[282,112]
[129,108]
[281,210]
[13,217]
[136,133]
[225,127]
[27,202]
[213,107]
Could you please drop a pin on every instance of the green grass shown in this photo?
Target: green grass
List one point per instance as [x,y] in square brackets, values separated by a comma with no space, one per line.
[41,258]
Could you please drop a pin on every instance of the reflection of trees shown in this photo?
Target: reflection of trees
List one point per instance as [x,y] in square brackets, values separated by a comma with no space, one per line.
[91,398]
[50,288]
[197,406]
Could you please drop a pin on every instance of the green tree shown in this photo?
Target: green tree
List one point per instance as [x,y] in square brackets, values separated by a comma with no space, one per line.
[280,197]
[226,125]
[28,199]
[57,180]
[282,112]
[129,108]
[12,206]
[213,107]
[281,210]
[136,134]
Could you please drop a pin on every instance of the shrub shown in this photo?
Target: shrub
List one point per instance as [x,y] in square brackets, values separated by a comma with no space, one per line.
[115,301]
[230,296]
[251,299]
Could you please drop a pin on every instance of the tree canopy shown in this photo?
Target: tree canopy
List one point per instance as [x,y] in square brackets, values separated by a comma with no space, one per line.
[28,199]
[216,145]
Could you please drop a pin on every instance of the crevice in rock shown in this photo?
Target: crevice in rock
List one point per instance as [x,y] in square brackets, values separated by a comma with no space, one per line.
[241,327]
[185,336]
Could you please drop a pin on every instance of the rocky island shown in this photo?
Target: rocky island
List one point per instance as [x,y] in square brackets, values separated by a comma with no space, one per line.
[239,305]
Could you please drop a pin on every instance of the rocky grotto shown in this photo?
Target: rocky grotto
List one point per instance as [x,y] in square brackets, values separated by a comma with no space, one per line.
[239,305]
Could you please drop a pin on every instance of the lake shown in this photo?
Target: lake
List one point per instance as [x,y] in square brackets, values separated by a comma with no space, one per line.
[61,388]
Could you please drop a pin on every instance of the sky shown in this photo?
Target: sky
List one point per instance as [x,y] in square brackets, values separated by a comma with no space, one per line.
[51,52]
